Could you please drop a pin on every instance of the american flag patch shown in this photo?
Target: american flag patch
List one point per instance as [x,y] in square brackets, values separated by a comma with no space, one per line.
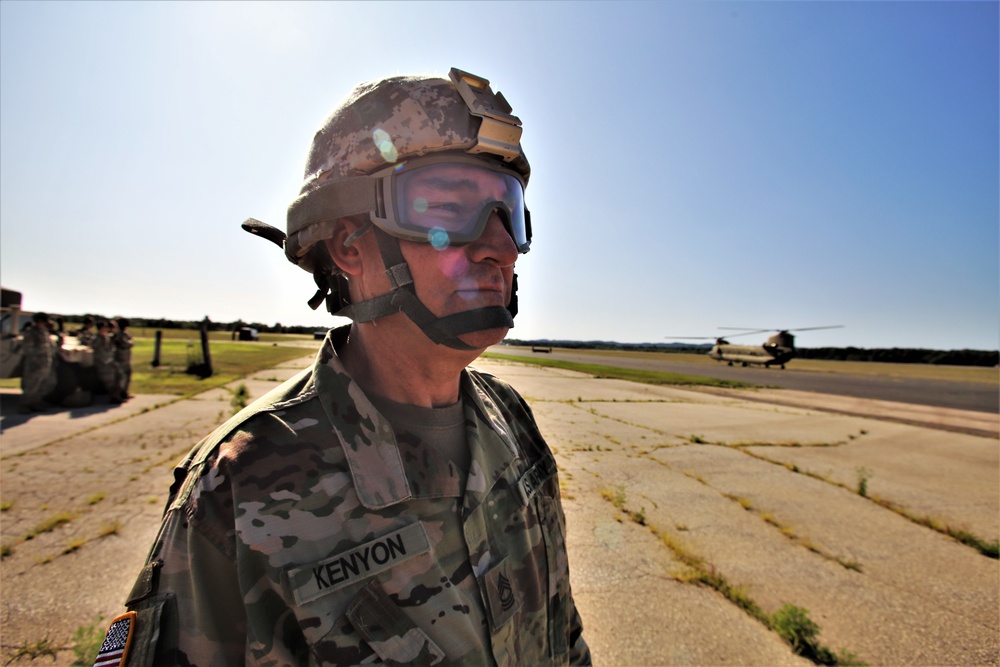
[114,650]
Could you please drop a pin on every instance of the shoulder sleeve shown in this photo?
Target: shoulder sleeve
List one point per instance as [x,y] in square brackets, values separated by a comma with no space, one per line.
[188,604]
[188,600]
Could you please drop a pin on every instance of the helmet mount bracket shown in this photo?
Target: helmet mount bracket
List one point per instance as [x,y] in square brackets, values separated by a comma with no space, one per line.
[500,131]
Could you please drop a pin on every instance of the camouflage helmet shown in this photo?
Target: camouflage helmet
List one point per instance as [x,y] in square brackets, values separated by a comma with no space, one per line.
[386,122]
[380,129]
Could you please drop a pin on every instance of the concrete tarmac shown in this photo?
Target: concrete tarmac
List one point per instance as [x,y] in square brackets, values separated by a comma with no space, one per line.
[660,486]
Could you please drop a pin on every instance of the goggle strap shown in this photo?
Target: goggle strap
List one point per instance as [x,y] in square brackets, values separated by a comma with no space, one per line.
[333,200]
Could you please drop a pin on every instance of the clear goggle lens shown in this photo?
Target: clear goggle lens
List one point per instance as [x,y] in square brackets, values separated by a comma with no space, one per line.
[450,203]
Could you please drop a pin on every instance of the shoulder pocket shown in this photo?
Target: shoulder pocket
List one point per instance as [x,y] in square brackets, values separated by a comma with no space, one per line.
[144,638]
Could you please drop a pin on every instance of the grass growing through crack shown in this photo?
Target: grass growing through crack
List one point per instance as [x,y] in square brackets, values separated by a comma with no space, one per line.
[43,648]
[791,623]
[988,549]
[864,474]
[49,525]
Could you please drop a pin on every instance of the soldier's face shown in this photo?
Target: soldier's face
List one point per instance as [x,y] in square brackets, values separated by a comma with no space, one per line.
[456,279]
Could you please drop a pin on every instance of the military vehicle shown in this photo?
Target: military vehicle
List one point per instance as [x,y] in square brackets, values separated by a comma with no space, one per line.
[74,361]
[777,350]
[12,318]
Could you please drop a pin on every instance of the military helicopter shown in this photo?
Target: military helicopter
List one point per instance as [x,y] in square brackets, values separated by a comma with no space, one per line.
[776,351]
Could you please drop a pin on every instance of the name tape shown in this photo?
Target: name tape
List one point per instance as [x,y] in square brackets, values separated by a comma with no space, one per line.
[313,581]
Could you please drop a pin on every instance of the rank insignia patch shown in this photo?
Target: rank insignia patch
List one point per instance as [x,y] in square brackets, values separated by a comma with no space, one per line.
[114,650]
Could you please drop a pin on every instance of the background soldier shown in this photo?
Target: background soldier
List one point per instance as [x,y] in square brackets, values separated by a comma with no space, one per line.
[388,504]
[104,361]
[39,376]
[123,356]
[86,334]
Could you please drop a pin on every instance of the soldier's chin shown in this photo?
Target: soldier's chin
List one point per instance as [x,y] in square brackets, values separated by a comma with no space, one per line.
[484,338]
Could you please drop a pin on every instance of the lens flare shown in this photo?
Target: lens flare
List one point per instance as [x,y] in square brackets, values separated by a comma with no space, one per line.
[438,238]
[420,205]
[384,144]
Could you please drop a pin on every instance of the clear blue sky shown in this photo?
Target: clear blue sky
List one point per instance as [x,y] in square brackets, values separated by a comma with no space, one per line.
[695,165]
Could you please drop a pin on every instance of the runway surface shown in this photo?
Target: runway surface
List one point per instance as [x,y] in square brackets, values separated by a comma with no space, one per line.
[974,396]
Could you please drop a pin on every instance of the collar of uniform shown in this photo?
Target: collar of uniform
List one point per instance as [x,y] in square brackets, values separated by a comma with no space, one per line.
[490,439]
[367,439]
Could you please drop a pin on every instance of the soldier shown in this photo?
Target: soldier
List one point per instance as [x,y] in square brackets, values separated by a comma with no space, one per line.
[86,334]
[387,504]
[39,376]
[104,360]
[122,340]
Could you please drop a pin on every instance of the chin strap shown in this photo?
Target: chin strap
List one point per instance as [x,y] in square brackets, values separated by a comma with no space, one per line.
[402,297]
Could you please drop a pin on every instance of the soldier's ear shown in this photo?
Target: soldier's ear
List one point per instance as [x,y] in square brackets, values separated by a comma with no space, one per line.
[346,247]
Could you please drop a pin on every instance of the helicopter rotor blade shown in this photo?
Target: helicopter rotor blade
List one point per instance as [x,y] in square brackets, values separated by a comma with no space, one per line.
[779,329]
[746,331]
[832,326]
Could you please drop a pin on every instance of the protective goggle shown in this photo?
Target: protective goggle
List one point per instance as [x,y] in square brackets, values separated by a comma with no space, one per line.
[448,200]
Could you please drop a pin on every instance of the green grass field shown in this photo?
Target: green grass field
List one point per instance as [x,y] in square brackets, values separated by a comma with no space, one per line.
[925,371]
[630,374]
[230,360]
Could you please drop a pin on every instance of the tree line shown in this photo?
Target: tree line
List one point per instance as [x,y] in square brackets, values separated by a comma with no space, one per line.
[895,355]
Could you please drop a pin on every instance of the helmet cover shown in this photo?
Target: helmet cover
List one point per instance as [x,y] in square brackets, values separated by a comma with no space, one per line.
[378,125]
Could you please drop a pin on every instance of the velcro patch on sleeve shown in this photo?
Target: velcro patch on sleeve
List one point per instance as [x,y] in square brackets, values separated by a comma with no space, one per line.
[504,600]
[118,641]
[349,567]
[535,477]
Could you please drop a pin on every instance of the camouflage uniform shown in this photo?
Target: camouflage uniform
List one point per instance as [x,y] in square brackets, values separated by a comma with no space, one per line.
[123,358]
[86,336]
[105,366]
[306,531]
[39,376]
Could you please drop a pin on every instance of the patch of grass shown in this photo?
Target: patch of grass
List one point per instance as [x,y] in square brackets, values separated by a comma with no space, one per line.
[6,505]
[87,641]
[639,517]
[697,440]
[615,497]
[794,626]
[109,529]
[230,361]
[49,525]
[6,550]
[96,498]
[74,545]
[629,374]
[864,474]
[43,648]
[240,397]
